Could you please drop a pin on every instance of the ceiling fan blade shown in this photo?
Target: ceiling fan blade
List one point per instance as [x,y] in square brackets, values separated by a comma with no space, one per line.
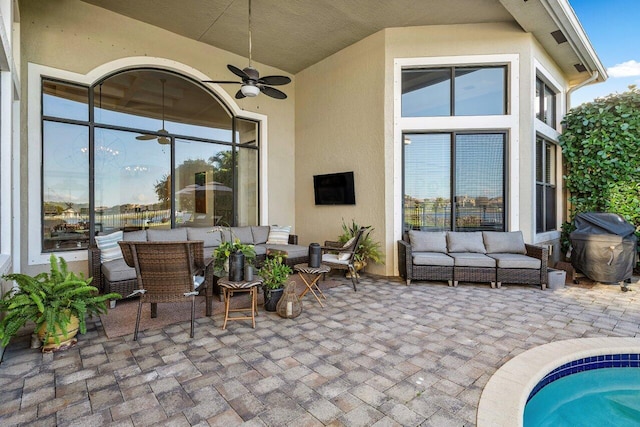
[221,82]
[239,94]
[145,137]
[237,71]
[274,93]
[275,80]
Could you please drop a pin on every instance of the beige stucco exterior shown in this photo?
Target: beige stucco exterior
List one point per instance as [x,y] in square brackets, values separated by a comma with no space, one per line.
[340,114]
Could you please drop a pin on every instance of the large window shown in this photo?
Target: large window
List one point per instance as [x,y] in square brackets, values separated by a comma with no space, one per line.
[545,103]
[454,91]
[454,181]
[142,149]
[545,185]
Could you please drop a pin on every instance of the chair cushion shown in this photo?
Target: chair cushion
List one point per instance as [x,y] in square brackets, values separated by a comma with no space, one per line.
[516,261]
[109,248]
[428,241]
[471,259]
[167,235]
[279,235]
[504,242]
[118,270]
[210,237]
[135,236]
[460,241]
[260,234]
[243,233]
[432,258]
[333,259]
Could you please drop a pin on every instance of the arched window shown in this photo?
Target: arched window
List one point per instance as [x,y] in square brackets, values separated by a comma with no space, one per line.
[142,148]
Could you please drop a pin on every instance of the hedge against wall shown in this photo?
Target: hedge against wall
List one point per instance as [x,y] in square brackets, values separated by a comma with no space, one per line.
[601,149]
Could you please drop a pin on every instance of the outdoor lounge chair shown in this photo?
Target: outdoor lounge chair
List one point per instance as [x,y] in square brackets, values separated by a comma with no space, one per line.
[340,256]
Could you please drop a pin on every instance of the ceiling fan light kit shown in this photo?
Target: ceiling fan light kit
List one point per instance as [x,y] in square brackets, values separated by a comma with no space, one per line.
[252,83]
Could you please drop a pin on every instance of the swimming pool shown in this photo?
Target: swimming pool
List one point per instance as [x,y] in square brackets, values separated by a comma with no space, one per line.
[598,396]
[505,395]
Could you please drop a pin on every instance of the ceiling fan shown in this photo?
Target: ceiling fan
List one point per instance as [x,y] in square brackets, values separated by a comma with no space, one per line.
[162,138]
[252,83]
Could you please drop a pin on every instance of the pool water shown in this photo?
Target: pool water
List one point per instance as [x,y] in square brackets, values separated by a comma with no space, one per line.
[599,397]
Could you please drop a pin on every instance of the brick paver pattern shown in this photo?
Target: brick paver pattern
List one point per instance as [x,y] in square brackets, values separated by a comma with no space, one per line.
[386,355]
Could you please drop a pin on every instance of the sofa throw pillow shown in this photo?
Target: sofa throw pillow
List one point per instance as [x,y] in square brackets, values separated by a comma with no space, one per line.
[461,241]
[109,248]
[500,242]
[279,235]
[428,241]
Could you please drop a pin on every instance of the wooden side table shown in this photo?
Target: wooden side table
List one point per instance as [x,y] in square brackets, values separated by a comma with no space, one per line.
[228,289]
[310,277]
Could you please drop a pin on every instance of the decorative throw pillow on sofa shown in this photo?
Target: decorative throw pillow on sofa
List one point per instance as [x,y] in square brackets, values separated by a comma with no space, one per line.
[108,245]
[279,235]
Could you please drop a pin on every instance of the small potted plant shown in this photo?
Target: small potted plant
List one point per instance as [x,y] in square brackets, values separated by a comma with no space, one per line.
[226,249]
[274,273]
[57,302]
[367,250]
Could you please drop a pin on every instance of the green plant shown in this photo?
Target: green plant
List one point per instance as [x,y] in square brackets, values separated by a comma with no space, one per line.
[221,254]
[274,272]
[50,298]
[368,249]
[600,147]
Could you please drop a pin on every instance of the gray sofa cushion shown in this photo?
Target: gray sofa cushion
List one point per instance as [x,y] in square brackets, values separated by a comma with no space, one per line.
[243,233]
[470,259]
[432,258]
[209,237]
[504,242]
[428,241]
[167,235]
[516,261]
[461,241]
[260,233]
[118,270]
[293,251]
[135,236]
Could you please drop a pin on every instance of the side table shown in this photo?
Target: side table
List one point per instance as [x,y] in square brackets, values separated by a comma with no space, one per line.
[228,289]
[310,277]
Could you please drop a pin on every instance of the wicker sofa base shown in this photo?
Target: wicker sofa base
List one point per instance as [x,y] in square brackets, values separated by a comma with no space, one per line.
[474,275]
[522,276]
[431,273]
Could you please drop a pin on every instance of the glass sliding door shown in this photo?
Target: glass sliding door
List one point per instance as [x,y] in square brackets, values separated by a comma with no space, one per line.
[454,181]
[248,170]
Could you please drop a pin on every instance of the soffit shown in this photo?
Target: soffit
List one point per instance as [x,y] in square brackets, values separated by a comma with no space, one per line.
[294,34]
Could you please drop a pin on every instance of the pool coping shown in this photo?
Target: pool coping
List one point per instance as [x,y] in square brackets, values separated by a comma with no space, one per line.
[505,394]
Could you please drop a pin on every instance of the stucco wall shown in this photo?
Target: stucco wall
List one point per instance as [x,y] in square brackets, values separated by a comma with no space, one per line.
[333,132]
[339,128]
[78,37]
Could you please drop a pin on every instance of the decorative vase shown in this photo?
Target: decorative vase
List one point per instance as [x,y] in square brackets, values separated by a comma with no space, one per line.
[236,267]
[289,305]
[315,255]
[271,298]
[248,272]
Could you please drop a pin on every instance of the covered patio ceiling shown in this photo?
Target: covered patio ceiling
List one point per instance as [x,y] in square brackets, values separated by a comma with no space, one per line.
[293,34]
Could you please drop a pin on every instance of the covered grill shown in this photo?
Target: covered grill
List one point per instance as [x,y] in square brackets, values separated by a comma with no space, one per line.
[604,247]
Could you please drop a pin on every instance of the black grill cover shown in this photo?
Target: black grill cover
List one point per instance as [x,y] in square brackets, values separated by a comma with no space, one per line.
[604,246]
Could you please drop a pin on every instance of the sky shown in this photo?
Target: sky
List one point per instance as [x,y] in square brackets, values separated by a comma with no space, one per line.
[613,27]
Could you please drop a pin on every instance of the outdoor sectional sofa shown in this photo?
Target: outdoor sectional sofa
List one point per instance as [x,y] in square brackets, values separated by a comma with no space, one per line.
[481,257]
[114,275]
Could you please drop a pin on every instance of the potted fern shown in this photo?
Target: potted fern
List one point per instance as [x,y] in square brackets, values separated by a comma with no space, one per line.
[57,302]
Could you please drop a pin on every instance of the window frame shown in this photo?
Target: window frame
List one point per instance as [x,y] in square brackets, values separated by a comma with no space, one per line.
[553,184]
[35,72]
[543,87]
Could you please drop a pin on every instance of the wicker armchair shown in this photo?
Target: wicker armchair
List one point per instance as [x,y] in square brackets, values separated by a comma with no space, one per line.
[166,272]
[340,257]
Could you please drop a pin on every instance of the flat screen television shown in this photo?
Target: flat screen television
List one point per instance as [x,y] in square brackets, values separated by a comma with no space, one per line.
[334,189]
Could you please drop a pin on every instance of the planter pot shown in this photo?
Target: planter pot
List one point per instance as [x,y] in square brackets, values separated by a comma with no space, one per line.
[66,340]
[271,298]
[359,265]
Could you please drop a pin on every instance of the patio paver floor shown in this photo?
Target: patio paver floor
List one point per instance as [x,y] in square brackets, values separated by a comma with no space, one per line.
[387,355]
